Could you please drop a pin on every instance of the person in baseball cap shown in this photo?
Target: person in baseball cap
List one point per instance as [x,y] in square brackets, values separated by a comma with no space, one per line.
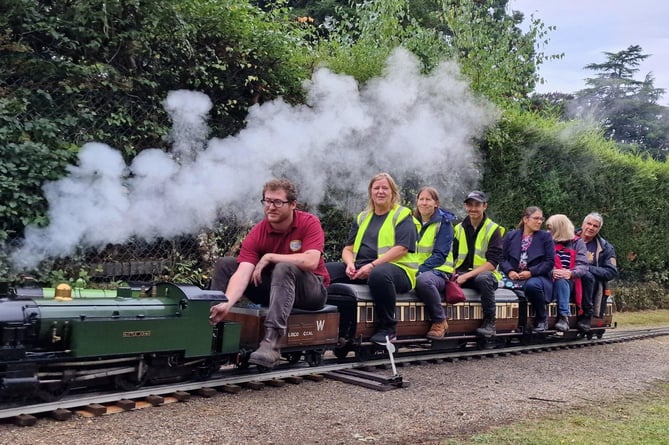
[477,195]
[475,265]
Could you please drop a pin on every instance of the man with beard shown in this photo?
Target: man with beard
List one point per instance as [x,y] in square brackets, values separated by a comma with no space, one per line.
[280,265]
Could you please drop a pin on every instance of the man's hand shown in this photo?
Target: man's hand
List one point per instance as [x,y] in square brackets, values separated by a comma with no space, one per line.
[462,278]
[219,311]
[256,277]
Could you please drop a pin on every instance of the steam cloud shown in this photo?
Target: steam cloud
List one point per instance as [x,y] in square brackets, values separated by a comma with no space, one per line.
[406,123]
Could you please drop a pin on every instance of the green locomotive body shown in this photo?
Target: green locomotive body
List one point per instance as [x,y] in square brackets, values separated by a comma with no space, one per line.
[167,317]
[161,333]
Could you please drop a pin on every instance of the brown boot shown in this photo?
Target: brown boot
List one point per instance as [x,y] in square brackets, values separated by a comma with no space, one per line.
[437,330]
[268,353]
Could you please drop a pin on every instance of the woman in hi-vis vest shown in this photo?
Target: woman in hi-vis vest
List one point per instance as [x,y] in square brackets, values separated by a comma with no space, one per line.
[379,253]
[435,236]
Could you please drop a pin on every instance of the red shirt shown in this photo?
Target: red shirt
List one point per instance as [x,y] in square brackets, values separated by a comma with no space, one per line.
[305,234]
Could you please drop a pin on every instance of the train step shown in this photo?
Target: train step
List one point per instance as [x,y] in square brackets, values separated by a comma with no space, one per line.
[368,379]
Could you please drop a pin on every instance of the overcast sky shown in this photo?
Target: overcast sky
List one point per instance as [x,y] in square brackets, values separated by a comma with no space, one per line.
[588,28]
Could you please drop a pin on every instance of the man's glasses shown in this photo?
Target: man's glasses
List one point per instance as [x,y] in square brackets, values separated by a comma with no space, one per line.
[275,202]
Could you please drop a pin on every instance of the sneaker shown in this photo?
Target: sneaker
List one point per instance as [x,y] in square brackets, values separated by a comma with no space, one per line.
[562,325]
[380,337]
[437,330]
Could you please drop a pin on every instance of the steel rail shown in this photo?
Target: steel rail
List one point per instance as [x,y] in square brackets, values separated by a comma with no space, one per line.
[235,376]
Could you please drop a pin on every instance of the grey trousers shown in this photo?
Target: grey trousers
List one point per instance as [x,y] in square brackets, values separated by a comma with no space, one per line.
[283,286]
[430,289]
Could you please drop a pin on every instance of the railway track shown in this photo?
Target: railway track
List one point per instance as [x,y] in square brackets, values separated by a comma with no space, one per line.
[234,380]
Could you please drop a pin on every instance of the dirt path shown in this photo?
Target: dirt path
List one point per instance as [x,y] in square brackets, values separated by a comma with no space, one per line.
[443,400]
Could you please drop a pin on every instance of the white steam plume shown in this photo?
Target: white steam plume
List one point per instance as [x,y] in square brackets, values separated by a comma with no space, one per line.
[406,123]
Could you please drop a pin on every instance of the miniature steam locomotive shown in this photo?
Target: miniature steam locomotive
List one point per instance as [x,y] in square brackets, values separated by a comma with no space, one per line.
[54,340]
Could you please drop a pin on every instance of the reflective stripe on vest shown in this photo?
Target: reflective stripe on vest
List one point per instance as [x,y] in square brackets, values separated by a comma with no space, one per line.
[426,244]
[480,247]
[427,239]
[386,238]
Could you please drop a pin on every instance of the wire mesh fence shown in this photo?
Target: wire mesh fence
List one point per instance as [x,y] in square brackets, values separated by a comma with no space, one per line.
[184,259]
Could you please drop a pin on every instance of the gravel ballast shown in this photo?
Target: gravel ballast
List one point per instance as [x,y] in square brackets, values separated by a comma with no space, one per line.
[443,400]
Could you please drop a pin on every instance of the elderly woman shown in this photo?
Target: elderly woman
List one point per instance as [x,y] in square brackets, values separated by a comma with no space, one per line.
[379,252]
[528,256]
[435,236]
[571,263]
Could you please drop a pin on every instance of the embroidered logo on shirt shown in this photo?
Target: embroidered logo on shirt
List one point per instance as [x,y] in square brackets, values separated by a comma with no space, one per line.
[296,245]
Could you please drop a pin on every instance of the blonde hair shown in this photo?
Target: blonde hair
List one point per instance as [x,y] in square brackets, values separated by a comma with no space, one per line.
[395,198]
[561,227]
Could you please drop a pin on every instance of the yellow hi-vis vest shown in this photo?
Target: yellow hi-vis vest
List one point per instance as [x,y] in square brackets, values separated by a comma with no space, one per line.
[480,247]
[425,246]
[386,238]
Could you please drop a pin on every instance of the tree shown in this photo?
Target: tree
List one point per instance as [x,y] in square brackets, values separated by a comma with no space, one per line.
[77,71]
[626,108]
[494,53]
[483,36]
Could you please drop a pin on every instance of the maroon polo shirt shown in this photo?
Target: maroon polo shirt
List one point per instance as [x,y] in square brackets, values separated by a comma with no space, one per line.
[304,234]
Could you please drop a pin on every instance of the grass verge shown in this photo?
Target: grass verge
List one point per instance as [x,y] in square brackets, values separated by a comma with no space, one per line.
[641,418]
[641,318]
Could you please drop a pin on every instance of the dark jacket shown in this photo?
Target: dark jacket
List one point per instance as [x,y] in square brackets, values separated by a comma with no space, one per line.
[540,257]
[604,267]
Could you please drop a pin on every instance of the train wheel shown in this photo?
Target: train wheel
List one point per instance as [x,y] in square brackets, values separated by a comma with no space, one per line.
[314,358]
[600,334]
[127,382]
[482,343]
[364,353]
[205,371]
[134,380]
[52,392]
[587,335]
[293,357]
[243,358]
[342,352]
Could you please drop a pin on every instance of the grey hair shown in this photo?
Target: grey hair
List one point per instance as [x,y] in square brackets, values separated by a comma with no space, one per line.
[596,216]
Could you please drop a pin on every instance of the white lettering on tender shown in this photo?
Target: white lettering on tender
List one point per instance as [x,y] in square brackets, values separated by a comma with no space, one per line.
[320,324]
[293,334]
[307,333]
[136,334]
